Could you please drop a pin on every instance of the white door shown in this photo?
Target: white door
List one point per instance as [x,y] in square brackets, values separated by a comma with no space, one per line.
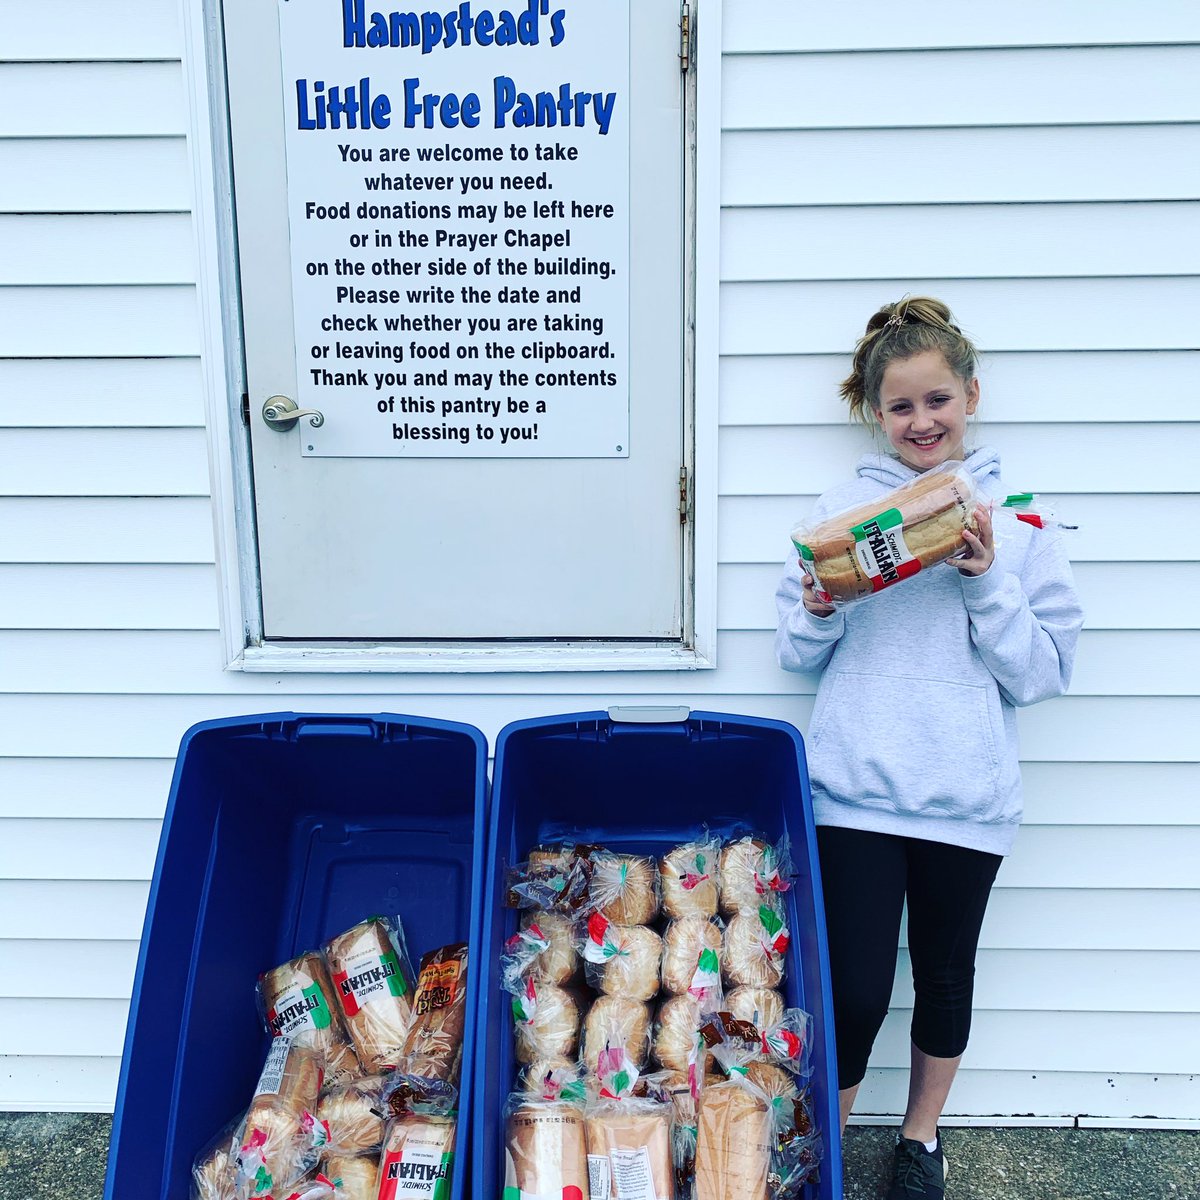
[440,498]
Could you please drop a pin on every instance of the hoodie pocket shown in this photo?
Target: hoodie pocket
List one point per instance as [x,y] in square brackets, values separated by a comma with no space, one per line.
[918,746]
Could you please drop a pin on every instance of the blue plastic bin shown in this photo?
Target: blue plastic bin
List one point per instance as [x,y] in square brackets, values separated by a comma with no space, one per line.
[281,831]
[639,786]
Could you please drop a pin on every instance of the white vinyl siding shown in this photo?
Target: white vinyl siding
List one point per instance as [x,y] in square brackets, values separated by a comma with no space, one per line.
[960,88]
[43,661]
[100,392]
[147,175]
[762,26]
[1042,164]
[1044,183]
[98,249]
[102,451]
[91,30]
[1058,217]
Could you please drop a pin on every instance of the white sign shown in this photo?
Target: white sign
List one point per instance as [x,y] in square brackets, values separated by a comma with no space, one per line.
[458,189]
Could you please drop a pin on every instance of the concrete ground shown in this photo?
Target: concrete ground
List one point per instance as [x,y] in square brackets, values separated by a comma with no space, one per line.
[1040,1164]
[53,1155]
[61,1156]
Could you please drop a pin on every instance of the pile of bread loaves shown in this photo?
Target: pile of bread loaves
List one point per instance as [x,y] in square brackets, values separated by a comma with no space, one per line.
[658,1056]
[361,1075]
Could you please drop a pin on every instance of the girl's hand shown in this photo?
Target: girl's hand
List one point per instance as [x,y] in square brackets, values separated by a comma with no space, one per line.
[981,548]
[817,607]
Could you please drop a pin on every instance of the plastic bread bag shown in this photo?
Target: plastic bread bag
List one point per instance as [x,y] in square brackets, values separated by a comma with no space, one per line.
[521,954]
[559,854]
[798,1146]
[214,1167]
[621,960]
[296,998]
[863,550]
[313,1187]
[1029,508]
[629,1151]
[554,879]
[353,1116]
[559,961]
[373,983]
[752,870]
[546,1017]
[675,1088]
[691,960]
[688,875]
[787,1043]
[281,1140]
[551,1079]
[767,1066]
[624,888]
[677,1042]
[795,1143]
[546,1020]
[274,1151]
[433,1047]
[734,1140]
[417,1160]
[755,1136]
[614,1074]
[755,947]
[616,1017]
[628,1135]
[405,1095]
[354,1178]
[545,1147]
[761,1007]
[740,1047]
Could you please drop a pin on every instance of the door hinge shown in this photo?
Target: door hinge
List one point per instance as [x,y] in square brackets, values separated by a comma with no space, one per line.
[246,409]
[685,496]
[685,36]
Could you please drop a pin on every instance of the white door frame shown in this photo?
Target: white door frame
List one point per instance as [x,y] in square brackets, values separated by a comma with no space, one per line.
[228,437]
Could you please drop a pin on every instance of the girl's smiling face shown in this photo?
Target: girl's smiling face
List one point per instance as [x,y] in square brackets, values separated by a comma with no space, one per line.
[923,409]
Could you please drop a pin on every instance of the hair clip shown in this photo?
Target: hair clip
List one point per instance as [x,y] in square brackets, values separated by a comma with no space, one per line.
[895,320]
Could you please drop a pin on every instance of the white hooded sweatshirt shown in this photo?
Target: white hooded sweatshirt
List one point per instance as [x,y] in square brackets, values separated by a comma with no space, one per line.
[914,729]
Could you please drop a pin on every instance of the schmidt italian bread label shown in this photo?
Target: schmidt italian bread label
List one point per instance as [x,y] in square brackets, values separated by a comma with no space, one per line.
[420,1171]
[418,1159]
[299,1008]
[366,977]
[881,549]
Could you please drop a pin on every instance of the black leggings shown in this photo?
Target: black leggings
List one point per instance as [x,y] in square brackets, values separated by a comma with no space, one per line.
[866,878]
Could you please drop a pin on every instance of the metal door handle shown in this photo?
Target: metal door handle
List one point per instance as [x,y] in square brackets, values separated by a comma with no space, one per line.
[281,412]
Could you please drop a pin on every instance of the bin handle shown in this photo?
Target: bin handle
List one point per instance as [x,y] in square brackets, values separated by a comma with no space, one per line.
[649,714]
[337,726]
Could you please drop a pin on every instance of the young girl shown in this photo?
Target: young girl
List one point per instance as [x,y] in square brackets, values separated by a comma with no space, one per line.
[913,744]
